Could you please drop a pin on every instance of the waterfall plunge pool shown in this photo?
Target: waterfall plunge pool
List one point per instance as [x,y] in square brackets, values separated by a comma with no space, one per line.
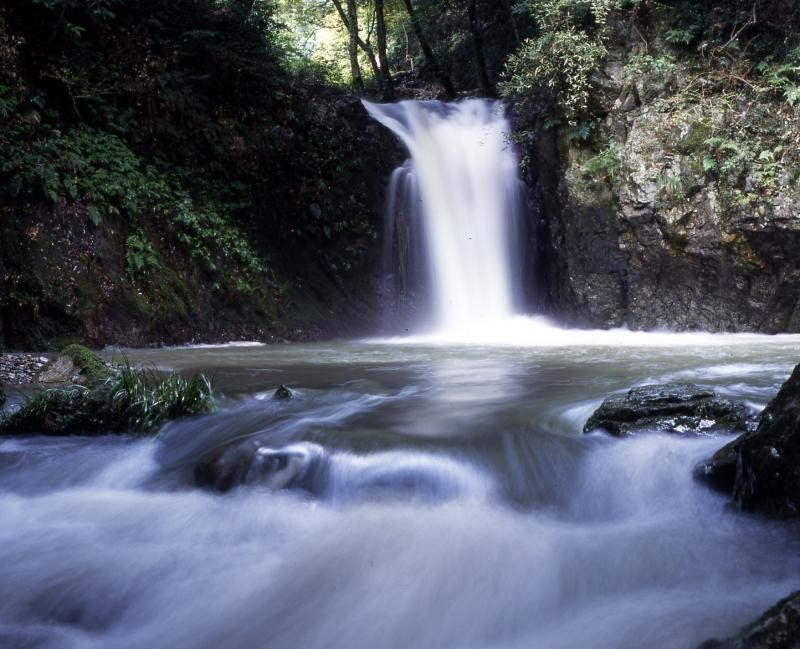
[460,507]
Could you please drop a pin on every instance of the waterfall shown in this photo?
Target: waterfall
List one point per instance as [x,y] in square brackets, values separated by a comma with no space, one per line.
[460,195]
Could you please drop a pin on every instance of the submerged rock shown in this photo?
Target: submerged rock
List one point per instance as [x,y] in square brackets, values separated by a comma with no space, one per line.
[293,466]
[778,628]
[283,393]
[679,408]
[762,467]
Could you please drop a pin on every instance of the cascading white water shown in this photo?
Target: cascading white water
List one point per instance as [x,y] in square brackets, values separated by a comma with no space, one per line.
[461,188]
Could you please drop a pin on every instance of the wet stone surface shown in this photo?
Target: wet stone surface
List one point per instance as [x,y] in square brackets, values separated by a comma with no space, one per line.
[679,408]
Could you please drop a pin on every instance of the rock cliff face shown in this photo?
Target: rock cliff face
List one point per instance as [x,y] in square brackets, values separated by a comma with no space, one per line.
[678,206]
[761,469]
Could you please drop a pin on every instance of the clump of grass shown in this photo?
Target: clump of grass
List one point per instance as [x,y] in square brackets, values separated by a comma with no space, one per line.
[129,400]
[59,411]
[142,399]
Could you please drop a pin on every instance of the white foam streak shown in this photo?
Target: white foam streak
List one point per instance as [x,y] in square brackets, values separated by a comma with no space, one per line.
[536,331]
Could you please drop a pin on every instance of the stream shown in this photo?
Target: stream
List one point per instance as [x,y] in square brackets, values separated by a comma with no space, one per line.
[455,504]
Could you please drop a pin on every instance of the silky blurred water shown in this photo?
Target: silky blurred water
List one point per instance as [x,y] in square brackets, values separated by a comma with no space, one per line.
[455,503]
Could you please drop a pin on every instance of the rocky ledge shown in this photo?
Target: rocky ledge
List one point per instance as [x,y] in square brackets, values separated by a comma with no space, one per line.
[761,469]
[778,628]
[679,408]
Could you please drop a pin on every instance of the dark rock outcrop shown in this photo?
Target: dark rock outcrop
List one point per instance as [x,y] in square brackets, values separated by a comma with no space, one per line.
[778,628]
[283,393]
[293,466]
[673,212]
[679,408]
[762,467]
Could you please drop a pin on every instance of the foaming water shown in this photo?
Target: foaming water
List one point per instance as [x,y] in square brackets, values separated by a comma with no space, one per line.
[410,496]
[538,331]
[461,191]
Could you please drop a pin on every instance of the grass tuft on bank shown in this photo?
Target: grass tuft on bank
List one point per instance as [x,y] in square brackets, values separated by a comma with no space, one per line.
[129,400]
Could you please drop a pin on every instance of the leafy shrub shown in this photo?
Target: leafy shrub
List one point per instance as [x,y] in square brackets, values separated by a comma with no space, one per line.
[643,64]
[141,257]
[783,76]
[605,165]
[569,48]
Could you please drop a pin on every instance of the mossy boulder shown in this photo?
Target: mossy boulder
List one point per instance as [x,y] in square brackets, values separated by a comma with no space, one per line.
[778,628]
[75,365]
[92,368]
[680,408]
[761,469]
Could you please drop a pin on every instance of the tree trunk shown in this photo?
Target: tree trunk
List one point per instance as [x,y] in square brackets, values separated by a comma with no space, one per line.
[428,52]
[513,20]
[355,70]
[388,89]
[353,33]
[478,59]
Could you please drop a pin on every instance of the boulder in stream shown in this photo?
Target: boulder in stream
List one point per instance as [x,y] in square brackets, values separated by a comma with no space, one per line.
[250,462]
[680,408]
[283,393]
[778,628]
[762,467]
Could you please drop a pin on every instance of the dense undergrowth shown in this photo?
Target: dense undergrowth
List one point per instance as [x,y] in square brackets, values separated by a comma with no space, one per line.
[166,162]
[722,81]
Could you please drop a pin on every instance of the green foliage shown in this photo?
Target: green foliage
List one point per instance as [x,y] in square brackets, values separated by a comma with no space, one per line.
[570,46]
[767,168]
[672,184]
[141,257]
[142,399]
[605,165]
[84,164]
[727,159]
[783,76]
[56,411]
[90,364]
[137,400]
[644,64]
[724,155]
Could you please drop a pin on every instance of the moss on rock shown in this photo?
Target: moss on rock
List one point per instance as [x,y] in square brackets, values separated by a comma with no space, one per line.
[91,366]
